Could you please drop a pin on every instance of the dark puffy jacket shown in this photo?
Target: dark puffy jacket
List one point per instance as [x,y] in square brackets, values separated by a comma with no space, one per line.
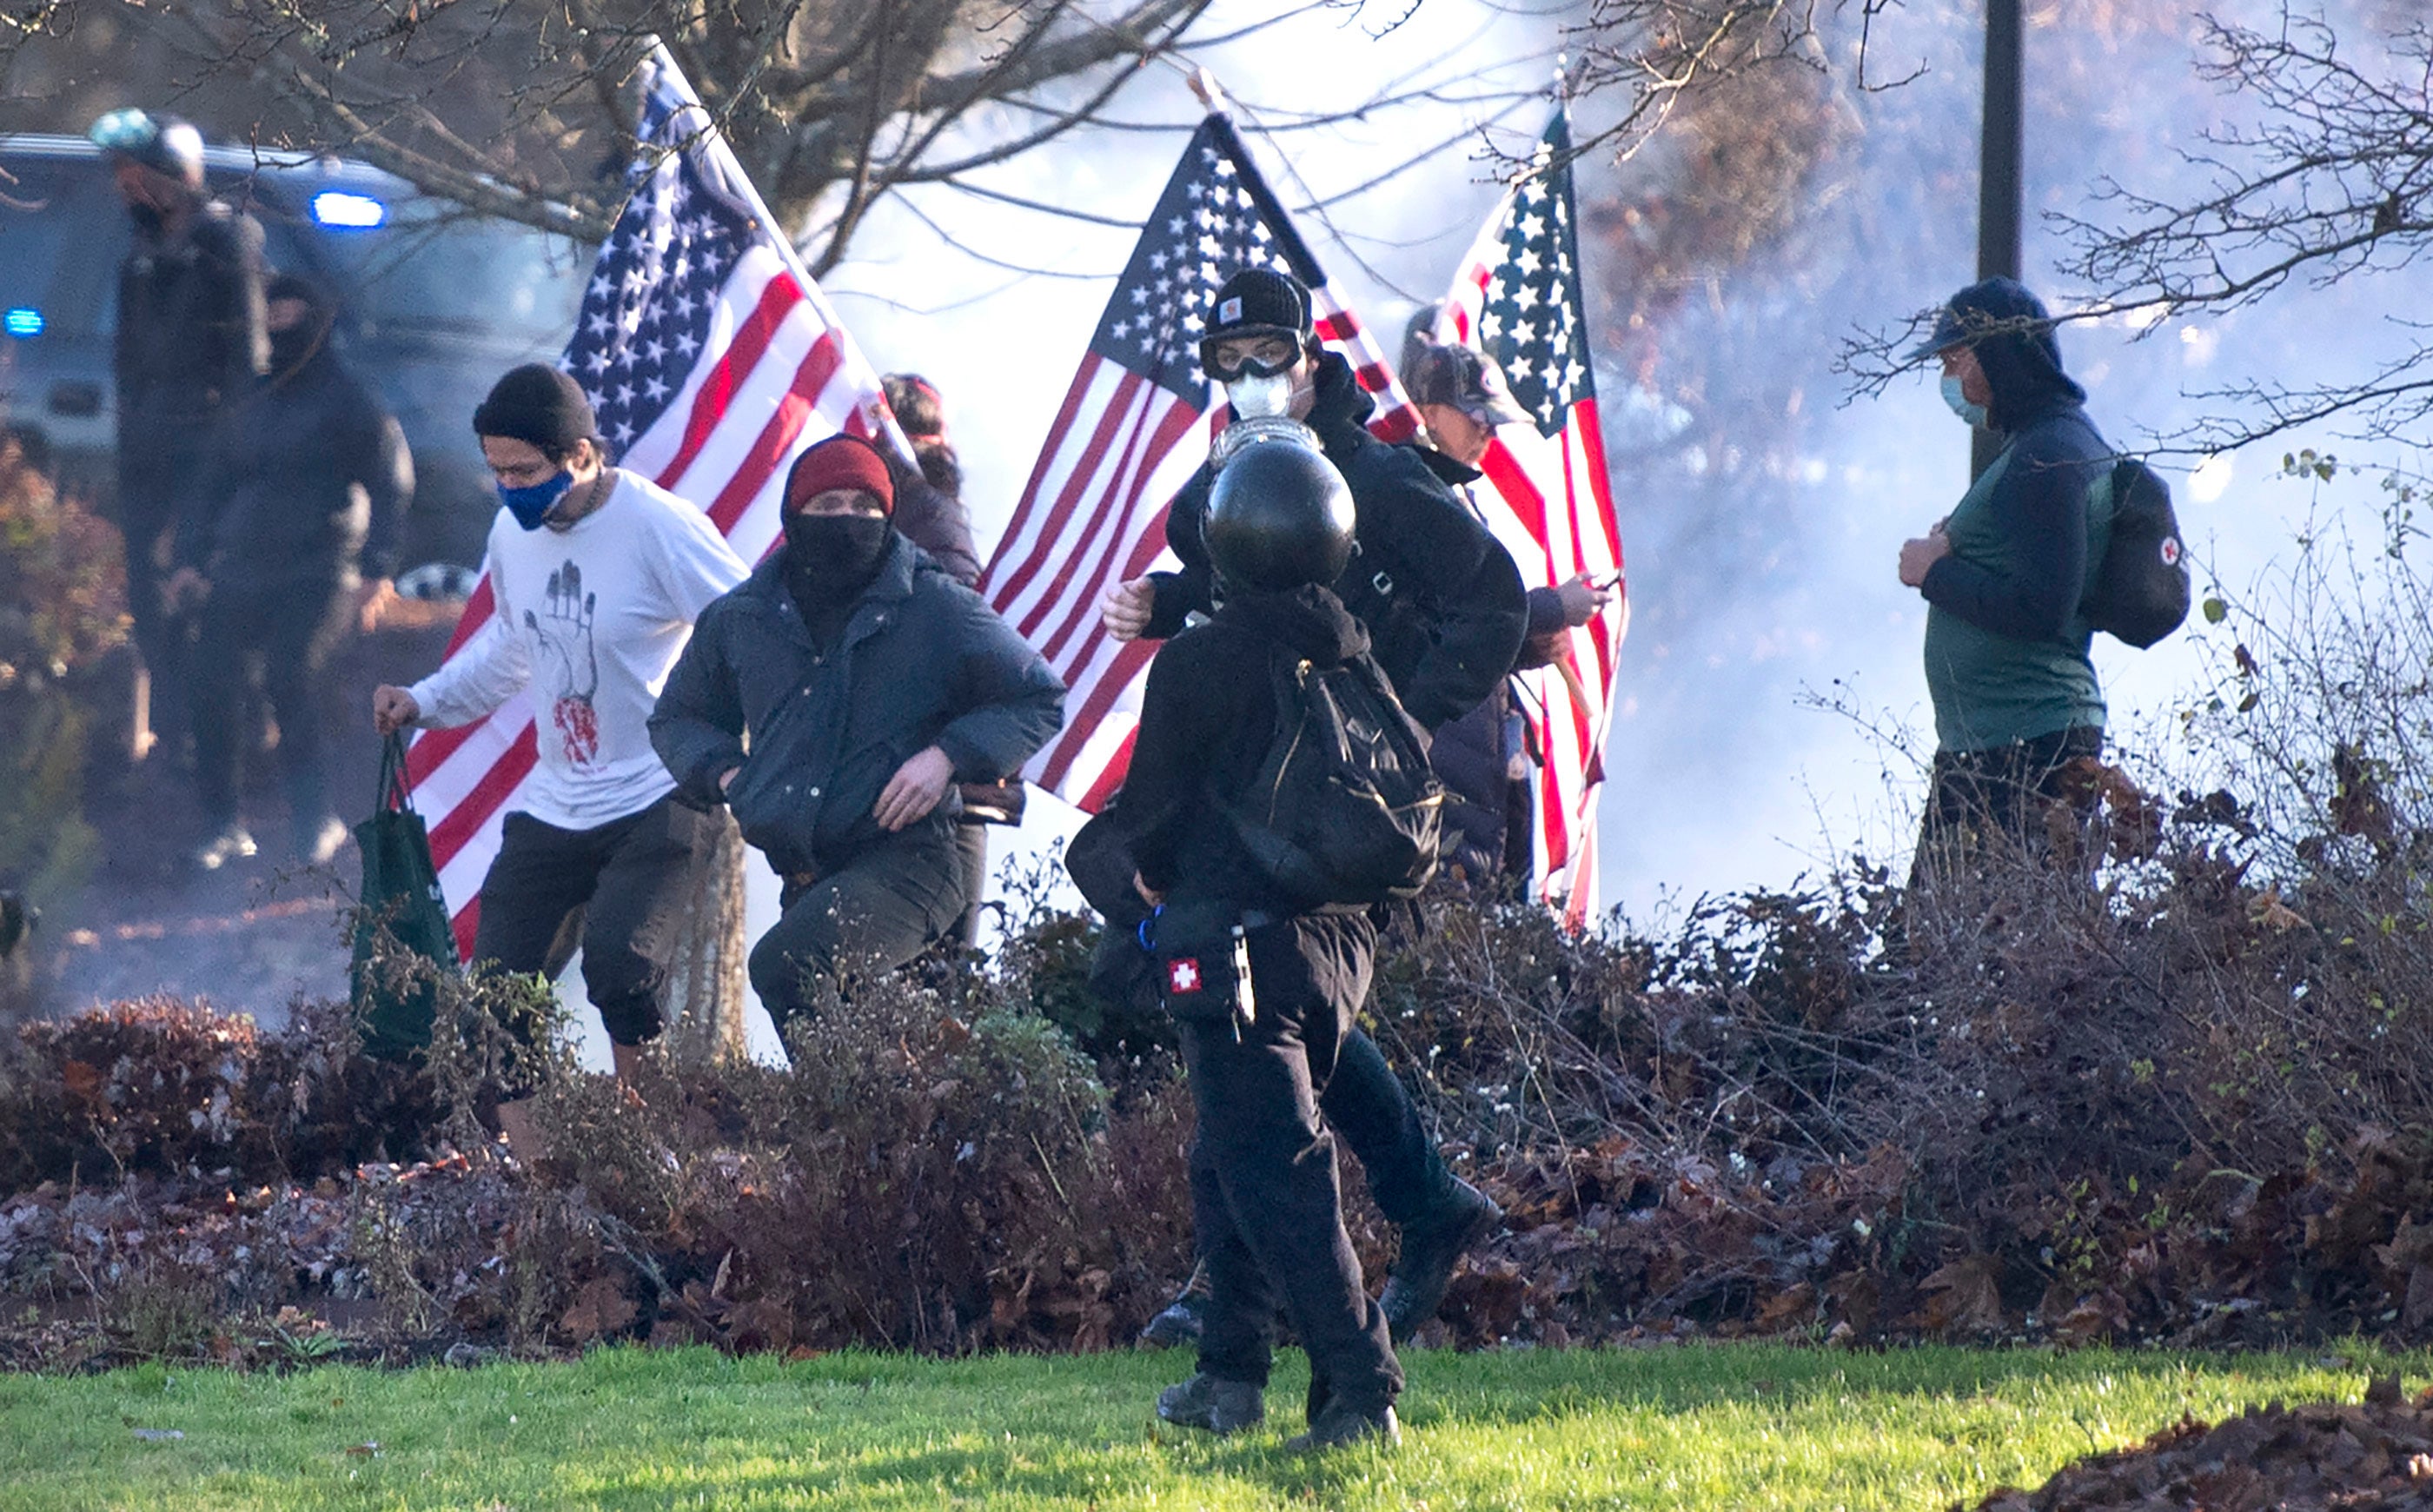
[191,333]
[307,477]
[921,662]
[1442,600]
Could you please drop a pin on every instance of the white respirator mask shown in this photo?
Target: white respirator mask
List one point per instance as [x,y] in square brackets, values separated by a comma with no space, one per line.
[1260,396]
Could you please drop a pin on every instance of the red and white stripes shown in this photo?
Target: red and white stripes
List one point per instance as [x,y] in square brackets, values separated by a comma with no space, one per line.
[1549,501]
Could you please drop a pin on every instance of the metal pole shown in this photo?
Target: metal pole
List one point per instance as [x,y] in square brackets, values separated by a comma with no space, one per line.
[2000,186]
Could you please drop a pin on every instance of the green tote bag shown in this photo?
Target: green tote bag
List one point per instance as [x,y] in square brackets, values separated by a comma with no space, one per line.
[404,941]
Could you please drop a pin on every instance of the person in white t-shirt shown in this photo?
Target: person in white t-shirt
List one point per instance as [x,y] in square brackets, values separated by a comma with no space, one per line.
[597,576]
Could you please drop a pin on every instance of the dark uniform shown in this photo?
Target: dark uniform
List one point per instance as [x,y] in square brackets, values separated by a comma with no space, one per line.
[1445,614]
[1263,1170]
[190,344]
[305,490]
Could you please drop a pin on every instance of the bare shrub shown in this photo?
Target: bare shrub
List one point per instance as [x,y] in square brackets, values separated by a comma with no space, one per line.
[915,1180]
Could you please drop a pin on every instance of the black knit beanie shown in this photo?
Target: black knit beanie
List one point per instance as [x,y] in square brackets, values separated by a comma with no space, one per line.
[539,405]
[1258,301]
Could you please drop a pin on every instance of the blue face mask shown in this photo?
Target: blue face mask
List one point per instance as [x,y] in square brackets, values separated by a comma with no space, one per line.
[531,506]
[1974,414]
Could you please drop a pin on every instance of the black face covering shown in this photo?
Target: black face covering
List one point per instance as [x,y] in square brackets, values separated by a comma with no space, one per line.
[146,217]
[829,558]
[292,348]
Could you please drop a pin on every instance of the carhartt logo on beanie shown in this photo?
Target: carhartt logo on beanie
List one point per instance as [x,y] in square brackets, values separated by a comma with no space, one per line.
[540,405]
[1257,301]
[840,462]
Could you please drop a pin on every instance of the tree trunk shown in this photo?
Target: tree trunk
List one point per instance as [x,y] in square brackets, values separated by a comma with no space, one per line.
[706,977]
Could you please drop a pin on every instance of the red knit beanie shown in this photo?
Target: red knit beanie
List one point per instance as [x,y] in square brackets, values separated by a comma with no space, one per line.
[840,462]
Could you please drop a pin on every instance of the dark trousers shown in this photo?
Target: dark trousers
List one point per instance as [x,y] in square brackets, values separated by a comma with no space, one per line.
[294,632]
[875,913]
[971,853]
[626,883]
[153,476]
[2012,804]
[1370,1110]
[1367,1105]
[1263,1174]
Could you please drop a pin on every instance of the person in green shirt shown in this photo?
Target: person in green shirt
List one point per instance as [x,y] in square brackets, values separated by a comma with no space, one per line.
[2016,703]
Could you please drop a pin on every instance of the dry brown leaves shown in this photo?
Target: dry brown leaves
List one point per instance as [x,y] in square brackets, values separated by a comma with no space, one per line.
[2376,1456]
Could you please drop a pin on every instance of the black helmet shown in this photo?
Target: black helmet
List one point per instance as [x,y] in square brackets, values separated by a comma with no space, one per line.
[1279,517]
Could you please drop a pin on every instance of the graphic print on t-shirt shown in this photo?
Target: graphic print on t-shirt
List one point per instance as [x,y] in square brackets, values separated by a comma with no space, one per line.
[570,663]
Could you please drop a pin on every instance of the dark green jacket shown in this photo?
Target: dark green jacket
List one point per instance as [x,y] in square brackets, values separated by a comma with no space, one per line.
[922,661]
[2006,640]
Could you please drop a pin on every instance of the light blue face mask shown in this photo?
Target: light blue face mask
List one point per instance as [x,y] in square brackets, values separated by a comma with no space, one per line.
[531,506]
[1974,414]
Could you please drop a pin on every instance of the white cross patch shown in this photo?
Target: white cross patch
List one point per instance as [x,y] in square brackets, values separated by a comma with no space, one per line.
[1183,975]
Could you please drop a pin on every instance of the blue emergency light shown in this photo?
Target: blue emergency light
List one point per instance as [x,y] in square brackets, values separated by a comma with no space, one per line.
[341,211]
[22,321]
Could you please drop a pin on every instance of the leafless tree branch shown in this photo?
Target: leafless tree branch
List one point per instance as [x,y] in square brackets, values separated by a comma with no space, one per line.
[2331,180]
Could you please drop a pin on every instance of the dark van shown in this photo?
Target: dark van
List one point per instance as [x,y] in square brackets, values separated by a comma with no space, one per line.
[436,302]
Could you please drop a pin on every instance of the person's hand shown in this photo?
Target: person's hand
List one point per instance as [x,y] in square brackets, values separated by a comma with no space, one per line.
[1148,894]
[373,603]
[393,709]
[1125,608]
[915,788]
[185,585]
[1582,599]
[727,778]
[1918,555]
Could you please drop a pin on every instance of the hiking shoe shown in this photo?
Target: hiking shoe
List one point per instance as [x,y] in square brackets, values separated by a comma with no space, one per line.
[1185,1318]
[1213,1405]
[1431,1246]
[1339,1425]
[230,845]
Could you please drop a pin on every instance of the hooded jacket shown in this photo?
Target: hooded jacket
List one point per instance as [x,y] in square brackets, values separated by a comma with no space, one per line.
[308,476]
[1441,599]
[2006,642]
[1208,715]
[922,661]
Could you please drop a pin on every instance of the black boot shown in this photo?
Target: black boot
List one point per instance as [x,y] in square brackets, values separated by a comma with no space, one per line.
[1342,1424]
[1185,1318]
[1215,1405]
[1432,1246]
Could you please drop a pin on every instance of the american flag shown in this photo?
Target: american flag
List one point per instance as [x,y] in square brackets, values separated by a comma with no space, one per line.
[1546,495]
[1130,435]
[712,360]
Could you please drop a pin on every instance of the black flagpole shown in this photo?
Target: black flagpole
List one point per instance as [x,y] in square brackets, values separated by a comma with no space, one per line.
[1999,188]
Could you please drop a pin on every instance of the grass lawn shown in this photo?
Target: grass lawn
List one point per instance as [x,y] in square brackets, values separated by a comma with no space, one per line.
[1727,1426]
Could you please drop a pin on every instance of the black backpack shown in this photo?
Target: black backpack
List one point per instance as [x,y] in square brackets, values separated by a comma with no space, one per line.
[1345,808]
[2141,590]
